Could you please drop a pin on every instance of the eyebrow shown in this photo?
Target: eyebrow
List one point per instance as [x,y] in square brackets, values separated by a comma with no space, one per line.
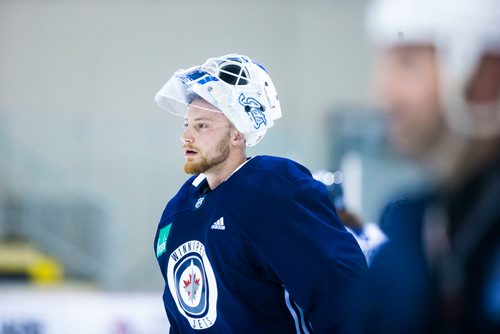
[199,119]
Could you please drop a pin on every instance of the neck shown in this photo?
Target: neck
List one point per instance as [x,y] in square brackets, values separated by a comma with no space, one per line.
[221,172]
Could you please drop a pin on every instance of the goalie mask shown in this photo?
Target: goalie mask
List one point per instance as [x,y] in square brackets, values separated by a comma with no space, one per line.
[235,85]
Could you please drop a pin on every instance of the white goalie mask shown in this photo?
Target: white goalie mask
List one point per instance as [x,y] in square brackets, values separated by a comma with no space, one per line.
[462,31]
[233,84]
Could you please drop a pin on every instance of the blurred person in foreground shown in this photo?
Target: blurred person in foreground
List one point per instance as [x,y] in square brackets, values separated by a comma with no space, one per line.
[438,74]
[368,235]
[249,244]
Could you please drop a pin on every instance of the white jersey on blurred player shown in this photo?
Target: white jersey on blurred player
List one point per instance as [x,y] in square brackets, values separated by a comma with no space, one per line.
[368,235]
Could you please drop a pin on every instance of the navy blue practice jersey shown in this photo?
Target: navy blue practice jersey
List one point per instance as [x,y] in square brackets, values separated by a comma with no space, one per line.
[264,252]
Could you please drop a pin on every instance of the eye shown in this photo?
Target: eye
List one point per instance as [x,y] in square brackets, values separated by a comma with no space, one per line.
[202,125]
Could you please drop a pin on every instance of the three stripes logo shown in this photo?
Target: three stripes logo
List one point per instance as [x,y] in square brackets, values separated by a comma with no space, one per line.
[219,224]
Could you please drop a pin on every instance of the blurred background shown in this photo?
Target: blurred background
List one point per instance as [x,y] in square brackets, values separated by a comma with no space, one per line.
[88,161]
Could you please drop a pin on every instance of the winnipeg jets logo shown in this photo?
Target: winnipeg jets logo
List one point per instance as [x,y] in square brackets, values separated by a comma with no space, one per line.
[255,110]
[192,284]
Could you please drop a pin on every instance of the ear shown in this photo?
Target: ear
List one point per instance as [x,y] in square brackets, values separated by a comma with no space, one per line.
[484,87]
[237,137]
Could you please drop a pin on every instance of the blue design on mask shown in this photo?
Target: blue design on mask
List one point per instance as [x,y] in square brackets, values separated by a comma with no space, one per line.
[254,109]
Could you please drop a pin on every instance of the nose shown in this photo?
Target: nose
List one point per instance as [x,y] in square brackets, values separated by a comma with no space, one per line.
[186,136]
[387,88]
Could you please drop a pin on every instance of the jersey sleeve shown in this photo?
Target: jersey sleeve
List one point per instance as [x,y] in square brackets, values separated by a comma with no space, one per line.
[174,329]
[318,262]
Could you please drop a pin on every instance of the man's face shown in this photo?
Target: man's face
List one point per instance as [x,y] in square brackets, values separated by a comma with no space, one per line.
[407,80]
[206,138]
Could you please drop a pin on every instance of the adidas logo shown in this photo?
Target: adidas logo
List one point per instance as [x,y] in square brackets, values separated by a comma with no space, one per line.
[219,224]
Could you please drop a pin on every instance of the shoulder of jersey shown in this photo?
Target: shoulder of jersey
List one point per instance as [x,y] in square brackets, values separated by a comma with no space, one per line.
[273,171]
[178,201]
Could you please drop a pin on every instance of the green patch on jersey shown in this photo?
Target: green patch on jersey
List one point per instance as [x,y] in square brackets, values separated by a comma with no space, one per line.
[161,246]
